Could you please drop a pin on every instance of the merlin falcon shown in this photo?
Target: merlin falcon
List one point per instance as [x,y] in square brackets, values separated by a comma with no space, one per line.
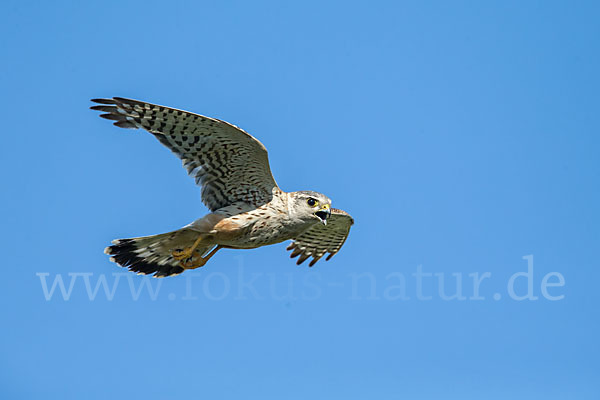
[248,209]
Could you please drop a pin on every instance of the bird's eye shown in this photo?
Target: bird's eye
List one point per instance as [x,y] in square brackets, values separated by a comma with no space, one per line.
[312,202]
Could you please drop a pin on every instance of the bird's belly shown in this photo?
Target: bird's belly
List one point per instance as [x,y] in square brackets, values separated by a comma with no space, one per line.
[259,235]
[252,241]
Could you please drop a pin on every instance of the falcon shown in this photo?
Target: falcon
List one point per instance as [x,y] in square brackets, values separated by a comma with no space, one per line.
[248,209]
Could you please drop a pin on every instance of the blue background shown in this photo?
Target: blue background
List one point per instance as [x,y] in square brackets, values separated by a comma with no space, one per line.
[461,136]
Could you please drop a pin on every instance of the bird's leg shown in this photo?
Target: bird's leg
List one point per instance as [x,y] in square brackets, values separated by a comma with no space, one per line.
[202,260]
[187,252]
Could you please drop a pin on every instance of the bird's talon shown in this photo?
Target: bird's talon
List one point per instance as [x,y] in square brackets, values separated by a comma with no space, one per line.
[184,254]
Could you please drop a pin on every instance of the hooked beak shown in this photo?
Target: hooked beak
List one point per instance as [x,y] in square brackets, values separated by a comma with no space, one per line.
[324,213]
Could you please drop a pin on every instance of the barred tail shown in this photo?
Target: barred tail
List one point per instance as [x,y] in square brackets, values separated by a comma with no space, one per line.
[153,254]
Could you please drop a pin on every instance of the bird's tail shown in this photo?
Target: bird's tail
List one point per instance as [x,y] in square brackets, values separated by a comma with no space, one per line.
[153,254]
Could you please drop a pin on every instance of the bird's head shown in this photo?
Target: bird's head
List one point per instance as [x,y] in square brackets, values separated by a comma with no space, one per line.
[312,206]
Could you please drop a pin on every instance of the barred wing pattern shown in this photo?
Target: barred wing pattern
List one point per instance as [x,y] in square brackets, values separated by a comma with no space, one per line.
[321,239]
[229,164]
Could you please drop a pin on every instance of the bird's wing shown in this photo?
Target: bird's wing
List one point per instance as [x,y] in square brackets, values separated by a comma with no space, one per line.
[320,239]
[229,164]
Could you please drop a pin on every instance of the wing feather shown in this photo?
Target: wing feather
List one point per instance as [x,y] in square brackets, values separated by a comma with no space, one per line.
[322,239]
[229,164]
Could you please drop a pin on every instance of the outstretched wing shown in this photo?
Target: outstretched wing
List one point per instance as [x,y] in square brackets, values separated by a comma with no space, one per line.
[321,239]
[229,164]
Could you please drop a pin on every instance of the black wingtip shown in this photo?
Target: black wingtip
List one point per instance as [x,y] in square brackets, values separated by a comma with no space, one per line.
[104,108]
[112,117]
[103,101]
[125,124]
[302,258]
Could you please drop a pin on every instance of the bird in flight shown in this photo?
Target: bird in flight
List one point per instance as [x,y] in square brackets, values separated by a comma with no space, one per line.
[248,209]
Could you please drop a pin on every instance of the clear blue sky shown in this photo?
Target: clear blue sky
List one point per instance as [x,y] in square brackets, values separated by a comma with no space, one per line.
[462,137]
